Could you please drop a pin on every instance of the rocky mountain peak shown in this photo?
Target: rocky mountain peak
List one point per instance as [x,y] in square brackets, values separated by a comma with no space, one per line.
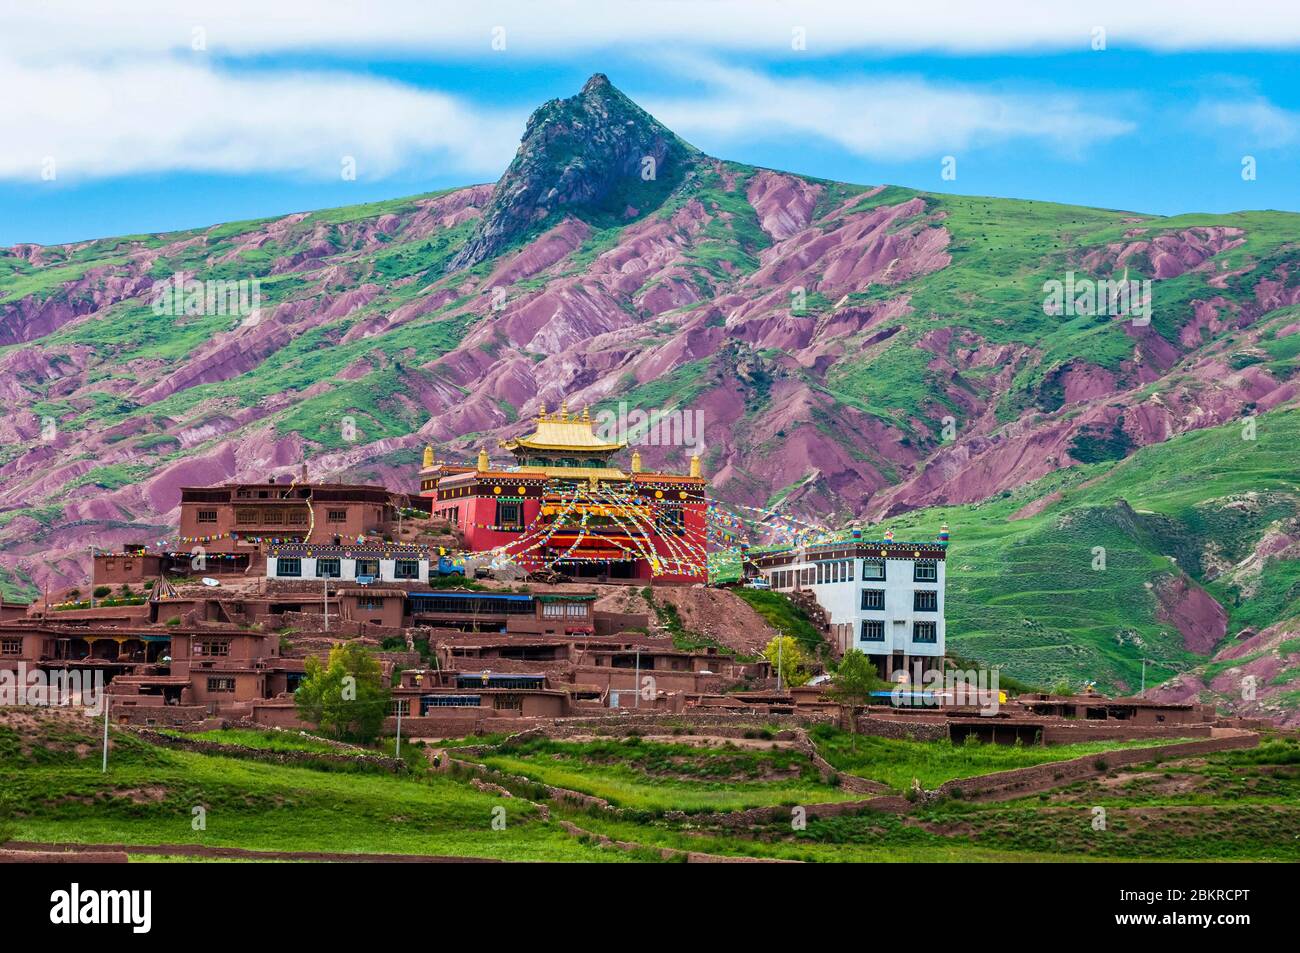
[597,155]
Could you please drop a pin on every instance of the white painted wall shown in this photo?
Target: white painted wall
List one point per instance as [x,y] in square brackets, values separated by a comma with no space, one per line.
[348,568]
[843,604]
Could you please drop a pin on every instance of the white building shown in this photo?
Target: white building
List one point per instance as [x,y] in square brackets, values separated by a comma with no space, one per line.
[350,564]
[884,598]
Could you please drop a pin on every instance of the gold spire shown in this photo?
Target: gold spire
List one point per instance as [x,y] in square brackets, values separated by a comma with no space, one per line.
[695,464]
[428,457]
[482,461]
[586,414]
[564,410]
[636,461]
[541,413]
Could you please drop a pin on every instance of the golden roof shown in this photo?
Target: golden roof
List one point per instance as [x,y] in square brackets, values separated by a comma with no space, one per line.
[562,431]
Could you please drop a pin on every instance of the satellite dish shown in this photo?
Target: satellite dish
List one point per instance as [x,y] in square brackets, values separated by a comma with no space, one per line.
[209,581]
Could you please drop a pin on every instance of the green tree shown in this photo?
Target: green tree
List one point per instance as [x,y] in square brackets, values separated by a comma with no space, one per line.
[347,698]
[854,682]
[785,652]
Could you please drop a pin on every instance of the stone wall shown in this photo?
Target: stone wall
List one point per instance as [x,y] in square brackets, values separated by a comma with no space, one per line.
[1042,777]
[907,730]
[1073,732]
[381,762]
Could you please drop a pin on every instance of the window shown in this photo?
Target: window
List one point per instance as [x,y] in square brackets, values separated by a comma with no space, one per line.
[925,632]
[873,598]
[272,516]
[336,516]
[11,646]
[873,631]
[247,517]
[400,706]
[328,568]
[221,684]
[925,600]
[207,516]
[288,567]
[873,569]
[212,647]
[510,514]
[298,517]
[925,570]
[671,521]
[367,567]
[406,569]
[370,603]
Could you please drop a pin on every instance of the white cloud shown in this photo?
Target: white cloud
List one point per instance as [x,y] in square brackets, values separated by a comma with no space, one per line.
[164,115]
[887,119]
[561,27]
[1264,124]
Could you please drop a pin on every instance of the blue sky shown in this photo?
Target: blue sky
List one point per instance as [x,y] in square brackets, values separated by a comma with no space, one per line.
[158,120]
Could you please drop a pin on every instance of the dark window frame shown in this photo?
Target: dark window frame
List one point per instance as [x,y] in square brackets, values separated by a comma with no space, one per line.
[874,593]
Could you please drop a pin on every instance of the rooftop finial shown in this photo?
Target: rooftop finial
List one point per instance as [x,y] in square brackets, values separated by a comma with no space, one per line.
[564,410]
[541,412]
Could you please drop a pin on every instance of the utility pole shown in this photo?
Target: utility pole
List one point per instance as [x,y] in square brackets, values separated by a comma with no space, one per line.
[399,728]
[325,601]
[637,683]
[91,588]
[779,646]
[104,692]
[1144,677]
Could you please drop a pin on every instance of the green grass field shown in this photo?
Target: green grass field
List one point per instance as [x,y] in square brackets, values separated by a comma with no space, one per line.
[897,763]
[55,792]
[1231,806]
[656,777]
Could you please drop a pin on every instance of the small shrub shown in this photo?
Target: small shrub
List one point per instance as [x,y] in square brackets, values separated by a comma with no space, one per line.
[101,591]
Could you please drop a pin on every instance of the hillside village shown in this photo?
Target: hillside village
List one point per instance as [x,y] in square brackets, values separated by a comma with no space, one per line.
[923,571]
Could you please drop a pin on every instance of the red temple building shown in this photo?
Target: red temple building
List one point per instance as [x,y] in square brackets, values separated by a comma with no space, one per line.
[566,506]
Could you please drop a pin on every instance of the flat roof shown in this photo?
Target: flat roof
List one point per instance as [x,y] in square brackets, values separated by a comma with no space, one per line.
[472,593]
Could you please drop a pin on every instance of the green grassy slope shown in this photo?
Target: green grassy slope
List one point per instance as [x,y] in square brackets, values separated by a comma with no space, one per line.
[1023,593]
[53,790]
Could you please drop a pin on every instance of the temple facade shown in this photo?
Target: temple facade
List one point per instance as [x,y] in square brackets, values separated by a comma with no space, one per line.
[565,504]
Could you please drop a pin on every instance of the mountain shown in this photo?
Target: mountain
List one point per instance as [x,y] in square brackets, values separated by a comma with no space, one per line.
[597,155]
[878,353]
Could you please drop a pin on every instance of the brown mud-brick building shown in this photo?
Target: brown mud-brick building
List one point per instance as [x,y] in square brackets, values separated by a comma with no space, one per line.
[239,519]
